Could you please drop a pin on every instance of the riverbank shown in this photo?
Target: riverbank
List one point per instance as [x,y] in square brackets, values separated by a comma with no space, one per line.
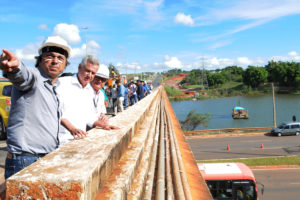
[185,94]
[178,92]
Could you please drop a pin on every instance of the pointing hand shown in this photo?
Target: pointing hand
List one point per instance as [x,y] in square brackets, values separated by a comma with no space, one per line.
[8,61]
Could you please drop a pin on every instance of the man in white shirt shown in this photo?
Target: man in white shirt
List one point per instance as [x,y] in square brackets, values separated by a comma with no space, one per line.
[76,94]
[97,84]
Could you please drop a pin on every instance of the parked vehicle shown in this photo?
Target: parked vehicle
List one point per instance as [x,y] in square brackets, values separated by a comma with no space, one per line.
[287,128]
[5,94]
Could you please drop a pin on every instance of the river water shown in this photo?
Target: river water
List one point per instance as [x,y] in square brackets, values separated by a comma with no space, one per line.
[260,109]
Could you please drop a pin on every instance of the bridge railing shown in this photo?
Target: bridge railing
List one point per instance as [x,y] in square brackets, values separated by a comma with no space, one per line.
[146,158]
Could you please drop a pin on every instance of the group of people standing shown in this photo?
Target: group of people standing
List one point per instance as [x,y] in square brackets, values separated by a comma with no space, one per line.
[120,96]
[47,110]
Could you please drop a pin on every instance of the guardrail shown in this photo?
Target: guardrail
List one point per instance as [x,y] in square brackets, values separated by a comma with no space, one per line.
[226,130]
[147,158]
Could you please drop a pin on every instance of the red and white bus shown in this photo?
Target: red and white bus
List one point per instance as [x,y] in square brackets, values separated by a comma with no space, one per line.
[230,181]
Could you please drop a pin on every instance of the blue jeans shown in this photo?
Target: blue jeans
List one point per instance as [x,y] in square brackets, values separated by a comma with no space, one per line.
[125,102]
[17,163]
[135,98]
[132,100]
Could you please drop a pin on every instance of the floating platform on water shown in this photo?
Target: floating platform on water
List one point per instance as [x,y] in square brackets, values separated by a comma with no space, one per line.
[239,112]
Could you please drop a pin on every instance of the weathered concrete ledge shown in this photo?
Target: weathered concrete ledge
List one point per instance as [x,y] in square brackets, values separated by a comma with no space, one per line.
[146,158]
[78,169]
[120,182]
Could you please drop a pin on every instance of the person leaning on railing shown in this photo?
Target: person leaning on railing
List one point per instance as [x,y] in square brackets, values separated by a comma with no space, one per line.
[77,102]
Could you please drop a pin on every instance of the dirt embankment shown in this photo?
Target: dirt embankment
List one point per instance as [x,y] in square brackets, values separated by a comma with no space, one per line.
[174,83]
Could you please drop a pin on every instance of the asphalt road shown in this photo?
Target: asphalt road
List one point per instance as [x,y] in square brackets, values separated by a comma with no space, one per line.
[157,81]
[244,147]
[279,183]
[3,154]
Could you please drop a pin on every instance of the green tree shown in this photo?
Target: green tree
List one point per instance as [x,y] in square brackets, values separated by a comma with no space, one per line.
[277,72]
[235,70]
[193,78]
[284,73]
[113,70]
[233,73]
[194,119]
[216,78]
[254,76]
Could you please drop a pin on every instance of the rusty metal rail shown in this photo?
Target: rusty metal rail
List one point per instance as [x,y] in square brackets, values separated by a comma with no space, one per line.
[159,172]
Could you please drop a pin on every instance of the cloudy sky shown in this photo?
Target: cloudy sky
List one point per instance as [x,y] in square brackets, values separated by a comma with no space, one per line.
[157,35]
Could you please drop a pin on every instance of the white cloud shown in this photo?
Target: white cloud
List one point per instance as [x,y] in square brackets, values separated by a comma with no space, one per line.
[172,62]
[243,61]
[253,12]
[293,54]
[93,44]
[181,18]
[93,48]
[152,10]
[230,32]
[220,44]
[28,53]
[43,27]
[69,32]
[141,13]
[133,66]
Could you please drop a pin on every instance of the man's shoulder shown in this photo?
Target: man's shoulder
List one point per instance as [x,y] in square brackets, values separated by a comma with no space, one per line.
[66,79]
[66,83]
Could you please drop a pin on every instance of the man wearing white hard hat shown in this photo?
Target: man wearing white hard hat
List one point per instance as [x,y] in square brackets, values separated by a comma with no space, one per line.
[97,84]
[33,124]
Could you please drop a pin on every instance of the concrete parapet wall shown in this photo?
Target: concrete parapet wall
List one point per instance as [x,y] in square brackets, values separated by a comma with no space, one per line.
[78,169]
[119,164]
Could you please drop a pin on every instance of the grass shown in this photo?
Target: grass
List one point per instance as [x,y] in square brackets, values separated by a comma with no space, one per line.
[284,160]
[232,85]
[172,92]
[193,86]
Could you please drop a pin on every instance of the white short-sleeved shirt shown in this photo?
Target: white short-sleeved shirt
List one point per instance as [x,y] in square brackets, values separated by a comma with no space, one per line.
[76,103]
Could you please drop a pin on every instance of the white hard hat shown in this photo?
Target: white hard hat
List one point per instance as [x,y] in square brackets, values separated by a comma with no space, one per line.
[57,44]
[103,72]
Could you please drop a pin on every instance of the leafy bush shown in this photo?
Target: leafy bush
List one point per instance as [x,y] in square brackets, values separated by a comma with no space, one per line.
[194,119]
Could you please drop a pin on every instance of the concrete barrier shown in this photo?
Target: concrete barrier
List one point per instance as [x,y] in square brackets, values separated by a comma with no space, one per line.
[106,164]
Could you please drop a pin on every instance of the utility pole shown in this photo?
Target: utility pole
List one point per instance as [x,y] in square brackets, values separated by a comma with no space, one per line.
[274,110]
[203,76]
[84,31]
